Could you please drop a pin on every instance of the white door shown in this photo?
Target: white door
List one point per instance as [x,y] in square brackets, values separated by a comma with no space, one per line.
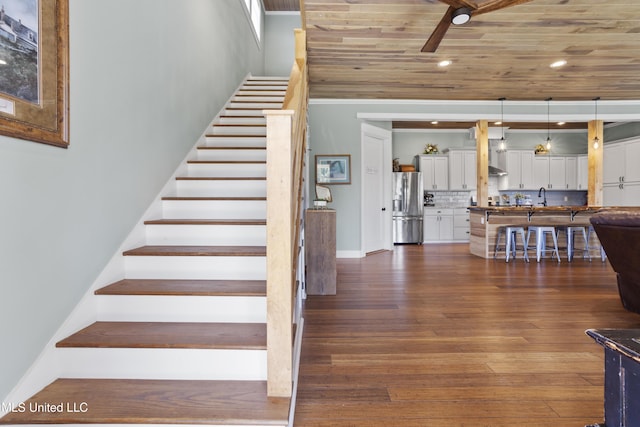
[376,189]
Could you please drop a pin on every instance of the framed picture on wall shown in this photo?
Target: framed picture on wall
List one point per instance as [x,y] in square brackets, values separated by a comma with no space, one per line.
[34,59]
[333,169]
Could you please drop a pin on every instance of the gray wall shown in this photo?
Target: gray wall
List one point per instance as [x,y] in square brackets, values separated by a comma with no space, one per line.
[146,79]
[280,43]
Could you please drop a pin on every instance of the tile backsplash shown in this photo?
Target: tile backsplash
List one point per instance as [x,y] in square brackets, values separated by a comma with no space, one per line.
[454,199]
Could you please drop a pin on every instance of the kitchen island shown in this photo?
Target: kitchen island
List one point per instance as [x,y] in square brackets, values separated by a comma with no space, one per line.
[485,221]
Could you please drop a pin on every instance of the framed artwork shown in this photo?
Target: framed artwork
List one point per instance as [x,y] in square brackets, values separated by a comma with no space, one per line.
[34,70]
[333,169]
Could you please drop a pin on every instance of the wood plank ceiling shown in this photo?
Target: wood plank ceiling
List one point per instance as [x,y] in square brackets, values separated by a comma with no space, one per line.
[370,49]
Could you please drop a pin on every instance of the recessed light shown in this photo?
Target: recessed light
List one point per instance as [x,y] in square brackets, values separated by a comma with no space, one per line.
[558,64]
[498,123]
[3,62]
[444,63]
[561,123]
[434,123]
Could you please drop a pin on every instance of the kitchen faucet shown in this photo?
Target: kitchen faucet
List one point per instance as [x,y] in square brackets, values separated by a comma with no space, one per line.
[541,192]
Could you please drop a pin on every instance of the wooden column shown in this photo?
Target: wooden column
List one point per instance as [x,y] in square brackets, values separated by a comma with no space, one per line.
[482,158]
[595,157]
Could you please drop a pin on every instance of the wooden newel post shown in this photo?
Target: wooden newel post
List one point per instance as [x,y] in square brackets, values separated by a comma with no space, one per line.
[280,234]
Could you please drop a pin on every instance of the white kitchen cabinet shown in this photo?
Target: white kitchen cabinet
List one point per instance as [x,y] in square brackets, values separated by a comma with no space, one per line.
[613,163]
[555,172]
[462,170]
[541,171]
[621,175]
[461,224]
[438,225]
[435,172]
[583,172]
[519,165]
[571,173]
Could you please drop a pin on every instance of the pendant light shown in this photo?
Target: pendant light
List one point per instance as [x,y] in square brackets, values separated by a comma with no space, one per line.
[503,143]
[596,140]
[548,126]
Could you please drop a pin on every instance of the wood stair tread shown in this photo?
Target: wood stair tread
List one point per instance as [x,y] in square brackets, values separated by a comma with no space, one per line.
[186,335]
[235,135]
[185,287]
[223,147]
[221,178]
[157,402]
[224,162]
[179,250]
[206,222]
[212,198]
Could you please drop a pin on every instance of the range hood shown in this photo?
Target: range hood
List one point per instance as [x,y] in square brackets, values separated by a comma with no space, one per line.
[493,161]
[494,171]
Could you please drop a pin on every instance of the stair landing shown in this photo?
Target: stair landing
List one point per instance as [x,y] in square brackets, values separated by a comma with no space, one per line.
[103,401]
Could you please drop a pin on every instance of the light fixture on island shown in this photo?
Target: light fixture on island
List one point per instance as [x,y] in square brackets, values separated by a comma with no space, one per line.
[548,125]
[596,140]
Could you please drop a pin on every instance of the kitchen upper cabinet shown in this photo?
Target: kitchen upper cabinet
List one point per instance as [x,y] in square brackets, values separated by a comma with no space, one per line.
[462,170]
[555,172]
[435,172]
[519,165]
[583,173]
[541,171]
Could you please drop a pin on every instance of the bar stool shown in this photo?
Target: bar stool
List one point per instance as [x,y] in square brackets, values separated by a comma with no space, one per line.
[570,231]
[603,255]
[541,240]
[510,234]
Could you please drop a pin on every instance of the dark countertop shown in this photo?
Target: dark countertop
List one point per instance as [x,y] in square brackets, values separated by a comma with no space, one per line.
[527,209]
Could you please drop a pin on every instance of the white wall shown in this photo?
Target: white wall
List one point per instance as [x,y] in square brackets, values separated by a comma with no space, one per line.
[146,78]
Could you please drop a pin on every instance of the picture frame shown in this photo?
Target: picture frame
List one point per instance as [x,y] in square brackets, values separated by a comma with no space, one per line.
[333,168]
[37,110]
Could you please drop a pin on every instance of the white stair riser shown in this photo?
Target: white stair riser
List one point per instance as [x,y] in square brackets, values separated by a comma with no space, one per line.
[231,154]
[257,120]
[219,209]
[260,105]
[206,235]
[168,364]
[171,308]
[221,188]
[264,92]
[195,267]
[227,169]
[239,130]
[243,112]
[235,141]
[257,98]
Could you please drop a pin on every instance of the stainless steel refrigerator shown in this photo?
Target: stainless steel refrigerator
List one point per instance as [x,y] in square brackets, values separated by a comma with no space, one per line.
[408,207]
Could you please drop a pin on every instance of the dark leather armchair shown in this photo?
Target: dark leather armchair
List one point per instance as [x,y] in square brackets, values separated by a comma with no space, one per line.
[619,234]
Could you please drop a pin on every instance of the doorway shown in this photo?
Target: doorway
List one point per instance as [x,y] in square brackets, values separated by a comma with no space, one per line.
[375,207]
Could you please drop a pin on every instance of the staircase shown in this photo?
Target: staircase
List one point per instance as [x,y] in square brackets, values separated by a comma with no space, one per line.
[181,338]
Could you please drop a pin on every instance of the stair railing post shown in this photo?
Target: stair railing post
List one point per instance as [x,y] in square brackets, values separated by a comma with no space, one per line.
[280,246]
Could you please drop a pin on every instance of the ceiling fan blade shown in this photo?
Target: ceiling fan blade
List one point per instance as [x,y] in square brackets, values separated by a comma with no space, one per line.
[494,5]
[438,34]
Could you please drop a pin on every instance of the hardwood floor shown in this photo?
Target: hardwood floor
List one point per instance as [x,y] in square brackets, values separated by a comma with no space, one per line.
[433,336]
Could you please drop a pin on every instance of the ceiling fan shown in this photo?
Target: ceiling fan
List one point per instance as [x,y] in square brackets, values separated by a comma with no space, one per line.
[459,12]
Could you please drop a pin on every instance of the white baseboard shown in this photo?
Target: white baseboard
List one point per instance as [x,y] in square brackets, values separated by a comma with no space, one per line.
[348,254]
